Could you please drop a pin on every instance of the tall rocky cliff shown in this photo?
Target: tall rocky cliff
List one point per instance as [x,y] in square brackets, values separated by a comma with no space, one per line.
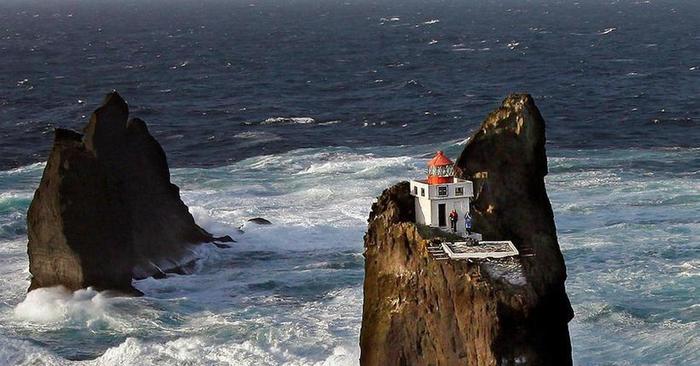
[420,311]
[105,211]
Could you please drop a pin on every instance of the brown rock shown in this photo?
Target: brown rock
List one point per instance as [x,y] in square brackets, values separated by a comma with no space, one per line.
[105,211]
[419,311]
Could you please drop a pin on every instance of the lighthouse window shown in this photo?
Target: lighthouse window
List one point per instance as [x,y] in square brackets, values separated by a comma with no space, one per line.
[422,192]
[415,190]
[459,191]
[442,191]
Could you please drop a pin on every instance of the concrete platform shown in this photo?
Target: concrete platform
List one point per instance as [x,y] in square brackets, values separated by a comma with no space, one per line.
[484,249]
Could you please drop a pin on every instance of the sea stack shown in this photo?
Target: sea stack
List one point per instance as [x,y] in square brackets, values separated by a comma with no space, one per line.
[105,211]
[511,311]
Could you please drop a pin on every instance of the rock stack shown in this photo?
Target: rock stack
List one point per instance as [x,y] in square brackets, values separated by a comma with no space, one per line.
[105,211]
[421,311]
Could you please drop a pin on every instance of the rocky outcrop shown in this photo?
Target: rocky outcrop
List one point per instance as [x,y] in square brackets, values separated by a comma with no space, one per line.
[419,311]
[260,221]
[105,211]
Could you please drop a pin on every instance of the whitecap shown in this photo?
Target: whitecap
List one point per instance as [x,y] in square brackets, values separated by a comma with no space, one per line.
[329,123]
[389,19]
[288,121]
[607,31]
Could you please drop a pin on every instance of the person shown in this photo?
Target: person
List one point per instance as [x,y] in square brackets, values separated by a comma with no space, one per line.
[453,220]
[468,223]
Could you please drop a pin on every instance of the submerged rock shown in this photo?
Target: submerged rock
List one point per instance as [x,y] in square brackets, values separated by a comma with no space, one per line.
[419,311]
[105,211]
[260,221]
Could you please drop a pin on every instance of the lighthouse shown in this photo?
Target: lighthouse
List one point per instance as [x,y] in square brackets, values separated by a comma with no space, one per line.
[440,193]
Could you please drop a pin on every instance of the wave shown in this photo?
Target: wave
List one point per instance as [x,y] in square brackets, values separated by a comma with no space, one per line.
[389,19]
[309,262]
[288,121]
[607,31]
[194,351]
[253,138]
[23,169]
[58,305]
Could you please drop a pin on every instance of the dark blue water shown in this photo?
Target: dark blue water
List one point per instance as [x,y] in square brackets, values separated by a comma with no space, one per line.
[303,111]
[204,74]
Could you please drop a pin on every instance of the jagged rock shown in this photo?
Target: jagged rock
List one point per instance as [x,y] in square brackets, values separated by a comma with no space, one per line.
[105,211]
[419,311]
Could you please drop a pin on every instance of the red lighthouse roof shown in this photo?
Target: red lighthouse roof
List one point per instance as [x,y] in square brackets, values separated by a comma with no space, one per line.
[440,169]
[440,160]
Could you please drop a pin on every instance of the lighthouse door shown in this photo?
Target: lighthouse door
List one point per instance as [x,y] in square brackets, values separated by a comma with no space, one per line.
[442,218]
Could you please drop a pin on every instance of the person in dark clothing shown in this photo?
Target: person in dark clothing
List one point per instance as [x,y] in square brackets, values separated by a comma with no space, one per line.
[453,220]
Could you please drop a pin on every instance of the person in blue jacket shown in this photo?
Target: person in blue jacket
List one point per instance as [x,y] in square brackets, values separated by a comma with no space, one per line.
[468,223]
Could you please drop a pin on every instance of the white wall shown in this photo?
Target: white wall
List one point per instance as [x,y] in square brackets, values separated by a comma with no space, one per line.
[427,206]
[466,185]
[423,211]
[459,204]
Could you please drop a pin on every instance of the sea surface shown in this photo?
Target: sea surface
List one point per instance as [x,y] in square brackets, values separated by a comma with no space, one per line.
[303,111]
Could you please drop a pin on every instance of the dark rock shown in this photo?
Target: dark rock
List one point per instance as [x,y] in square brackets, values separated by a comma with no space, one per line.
[260,221]
[105,211]
[419,311]
[224,239]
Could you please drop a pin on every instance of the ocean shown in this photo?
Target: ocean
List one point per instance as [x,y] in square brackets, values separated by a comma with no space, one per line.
[303,111]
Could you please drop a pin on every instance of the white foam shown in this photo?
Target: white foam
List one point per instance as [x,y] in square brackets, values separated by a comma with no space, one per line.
[23,169]
[288,121]
[201,351]
[19,352]
[607,31]
[57,304]
[205,218]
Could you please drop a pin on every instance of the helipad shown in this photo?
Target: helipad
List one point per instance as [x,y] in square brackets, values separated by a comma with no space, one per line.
[481,249]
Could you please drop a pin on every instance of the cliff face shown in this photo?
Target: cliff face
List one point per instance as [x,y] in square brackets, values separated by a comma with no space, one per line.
[105,211]
[419,311]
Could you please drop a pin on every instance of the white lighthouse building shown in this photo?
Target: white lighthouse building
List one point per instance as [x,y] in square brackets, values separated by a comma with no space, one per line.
[440,193]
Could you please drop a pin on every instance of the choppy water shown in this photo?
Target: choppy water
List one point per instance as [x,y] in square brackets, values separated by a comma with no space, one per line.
[385,85]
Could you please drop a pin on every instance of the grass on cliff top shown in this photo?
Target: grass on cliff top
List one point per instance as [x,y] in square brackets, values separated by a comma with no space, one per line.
[428,233]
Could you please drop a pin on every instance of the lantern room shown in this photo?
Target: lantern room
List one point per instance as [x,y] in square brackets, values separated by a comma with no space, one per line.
[440,169]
